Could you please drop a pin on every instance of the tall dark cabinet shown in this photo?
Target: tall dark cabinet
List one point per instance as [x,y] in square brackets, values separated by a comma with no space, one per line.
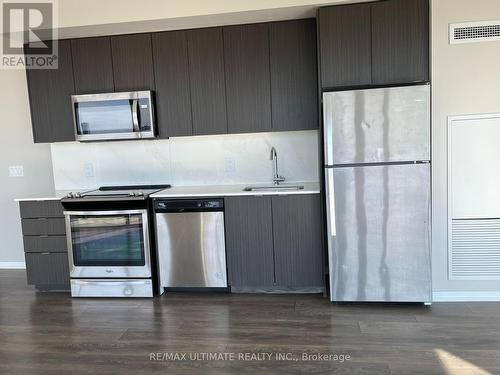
[246,53]
[132,62]
[378,43]
[400,34]
[208,89]
[50,93]
[294,75]
[92,66]
[173,95]
[345,45]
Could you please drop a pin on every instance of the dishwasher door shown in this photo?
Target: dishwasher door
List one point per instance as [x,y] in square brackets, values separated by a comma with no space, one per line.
[191,249]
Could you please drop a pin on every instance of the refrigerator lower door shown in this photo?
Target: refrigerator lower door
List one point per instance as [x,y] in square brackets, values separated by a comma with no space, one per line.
[379,245]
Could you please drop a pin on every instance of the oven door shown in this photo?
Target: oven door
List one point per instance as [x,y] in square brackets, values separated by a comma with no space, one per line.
[121,115]
[108,244]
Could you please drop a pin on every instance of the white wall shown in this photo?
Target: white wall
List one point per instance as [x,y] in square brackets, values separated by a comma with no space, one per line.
[17,149]
[207,160]
[465,80]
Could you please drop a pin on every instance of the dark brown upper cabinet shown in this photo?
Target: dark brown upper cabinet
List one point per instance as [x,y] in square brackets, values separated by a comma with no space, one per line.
[345,45]
[248,91]
[378,43]
[294,75]
[207,83]
[173,98]
[50,93]
[400,33]
[92,67]
[132,62]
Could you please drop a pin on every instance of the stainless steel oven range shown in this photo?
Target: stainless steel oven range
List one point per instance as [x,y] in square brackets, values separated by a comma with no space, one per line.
[110,242]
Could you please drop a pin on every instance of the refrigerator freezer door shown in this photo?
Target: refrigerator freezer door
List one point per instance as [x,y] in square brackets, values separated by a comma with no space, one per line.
[377,125]
[381,251]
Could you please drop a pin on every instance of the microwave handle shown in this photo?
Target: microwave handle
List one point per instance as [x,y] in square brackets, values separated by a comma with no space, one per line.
[135,117]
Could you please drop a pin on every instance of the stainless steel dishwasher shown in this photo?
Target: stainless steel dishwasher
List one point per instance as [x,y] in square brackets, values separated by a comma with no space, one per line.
[191,243]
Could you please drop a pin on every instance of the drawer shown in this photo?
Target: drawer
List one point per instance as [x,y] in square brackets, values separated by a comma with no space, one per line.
[35,209]
[40,244]
[47,268]
[41,226]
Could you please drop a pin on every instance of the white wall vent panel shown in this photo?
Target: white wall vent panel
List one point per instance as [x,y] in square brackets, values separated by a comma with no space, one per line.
[473,197]
[473,32]
[475,249]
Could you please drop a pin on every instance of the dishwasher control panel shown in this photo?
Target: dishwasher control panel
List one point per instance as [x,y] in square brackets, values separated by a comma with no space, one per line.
[189,205]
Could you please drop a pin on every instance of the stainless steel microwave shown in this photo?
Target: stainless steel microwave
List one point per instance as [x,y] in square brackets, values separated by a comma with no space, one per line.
[114,116]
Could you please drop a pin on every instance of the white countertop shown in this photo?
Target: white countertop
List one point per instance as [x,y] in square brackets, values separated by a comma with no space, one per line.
[200,191]
[232,190]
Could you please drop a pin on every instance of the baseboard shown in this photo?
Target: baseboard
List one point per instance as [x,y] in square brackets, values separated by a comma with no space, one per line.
[442,296]
[12,265]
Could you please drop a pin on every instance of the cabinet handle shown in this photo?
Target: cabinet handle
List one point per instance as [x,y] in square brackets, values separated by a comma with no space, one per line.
[45,253]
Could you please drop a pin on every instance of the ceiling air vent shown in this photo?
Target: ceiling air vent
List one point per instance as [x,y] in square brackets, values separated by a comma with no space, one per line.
[472,32]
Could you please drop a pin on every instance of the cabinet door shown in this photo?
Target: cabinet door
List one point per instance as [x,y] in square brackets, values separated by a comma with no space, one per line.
[47,269]
[208,91]
[400,49]
[92,66]
[173,100]
[298,247]
[345,45]
[249,241]
[50,99]
[132,62]
[246,53]
[294,78]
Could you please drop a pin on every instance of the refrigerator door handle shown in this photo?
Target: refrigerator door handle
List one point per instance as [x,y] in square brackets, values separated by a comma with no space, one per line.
[331,202]
[328,127]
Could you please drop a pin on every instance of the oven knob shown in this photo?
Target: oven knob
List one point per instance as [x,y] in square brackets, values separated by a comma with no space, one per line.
[77,195]
[70,195]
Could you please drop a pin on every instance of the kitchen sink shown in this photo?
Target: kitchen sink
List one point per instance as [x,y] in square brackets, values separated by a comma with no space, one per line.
[274,187]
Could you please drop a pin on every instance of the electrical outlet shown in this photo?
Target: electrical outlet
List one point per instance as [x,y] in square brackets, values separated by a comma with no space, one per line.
[229,165]
[88,169]
[16,171]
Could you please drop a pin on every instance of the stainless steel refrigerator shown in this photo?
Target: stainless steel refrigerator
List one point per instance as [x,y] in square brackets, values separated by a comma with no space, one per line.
[377,175]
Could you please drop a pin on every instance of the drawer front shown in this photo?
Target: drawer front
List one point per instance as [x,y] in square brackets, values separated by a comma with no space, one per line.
[44,226]
[47,268]
[40,244]
[35,209]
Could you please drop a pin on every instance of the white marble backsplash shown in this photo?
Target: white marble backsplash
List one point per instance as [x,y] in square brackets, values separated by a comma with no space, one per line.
[186,161]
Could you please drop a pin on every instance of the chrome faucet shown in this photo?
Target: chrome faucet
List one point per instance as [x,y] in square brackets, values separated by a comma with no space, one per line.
[277,179]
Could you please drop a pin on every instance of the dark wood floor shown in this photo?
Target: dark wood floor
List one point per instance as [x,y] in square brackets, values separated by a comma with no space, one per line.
[50,333]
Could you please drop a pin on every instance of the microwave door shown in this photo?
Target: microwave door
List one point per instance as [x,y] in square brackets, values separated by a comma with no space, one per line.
[99,119]
[127,115]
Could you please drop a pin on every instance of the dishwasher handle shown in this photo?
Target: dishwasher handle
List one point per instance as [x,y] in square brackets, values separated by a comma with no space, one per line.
[188,205]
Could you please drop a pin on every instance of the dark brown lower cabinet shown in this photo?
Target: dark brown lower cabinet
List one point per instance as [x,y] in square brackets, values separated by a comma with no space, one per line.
[297,240]
[47,270]
[45,246]
[249,241]
[274,243]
